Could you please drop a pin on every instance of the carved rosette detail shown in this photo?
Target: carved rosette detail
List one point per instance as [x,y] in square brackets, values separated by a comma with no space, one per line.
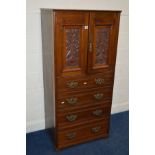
[102,44]
[72,47]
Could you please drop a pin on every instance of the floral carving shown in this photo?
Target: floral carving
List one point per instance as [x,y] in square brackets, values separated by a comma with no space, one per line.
[72,47]
[102,44]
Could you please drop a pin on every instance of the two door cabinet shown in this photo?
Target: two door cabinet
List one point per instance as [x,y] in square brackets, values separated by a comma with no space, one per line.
[79,54]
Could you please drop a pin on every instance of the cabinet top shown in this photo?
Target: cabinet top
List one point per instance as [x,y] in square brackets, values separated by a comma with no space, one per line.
[48,9]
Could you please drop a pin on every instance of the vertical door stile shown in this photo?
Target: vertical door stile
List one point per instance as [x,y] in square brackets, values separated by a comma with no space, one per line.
[86,39]
[90,43]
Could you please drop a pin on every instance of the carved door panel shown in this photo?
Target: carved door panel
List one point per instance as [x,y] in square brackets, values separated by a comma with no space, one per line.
[102,41]
[71,42]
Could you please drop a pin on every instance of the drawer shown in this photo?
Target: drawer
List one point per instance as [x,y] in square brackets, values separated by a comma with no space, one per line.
[82,116]
[83,133]
[66,101]
[81,83]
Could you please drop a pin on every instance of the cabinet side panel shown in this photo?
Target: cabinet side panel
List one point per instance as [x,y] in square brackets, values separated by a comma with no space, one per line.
[48,67]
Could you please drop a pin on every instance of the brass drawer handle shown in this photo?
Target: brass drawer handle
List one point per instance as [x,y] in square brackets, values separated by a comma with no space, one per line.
[98,96]
[99,81]
[72,101]
[71,135]
[72,84]
[97,113]
[96,129]
[71,118]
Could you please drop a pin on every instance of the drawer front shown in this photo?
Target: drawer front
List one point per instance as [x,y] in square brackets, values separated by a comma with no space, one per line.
[81,83]
[71,136]
[73,100]
[68,119]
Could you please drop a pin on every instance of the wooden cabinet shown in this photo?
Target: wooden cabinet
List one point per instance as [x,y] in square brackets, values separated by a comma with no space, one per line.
[79,54]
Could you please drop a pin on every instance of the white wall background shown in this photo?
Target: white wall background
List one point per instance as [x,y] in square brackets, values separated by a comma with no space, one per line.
[35,118]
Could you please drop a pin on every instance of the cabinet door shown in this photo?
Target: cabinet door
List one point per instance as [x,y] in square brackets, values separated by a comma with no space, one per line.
[71,35]
[103,35]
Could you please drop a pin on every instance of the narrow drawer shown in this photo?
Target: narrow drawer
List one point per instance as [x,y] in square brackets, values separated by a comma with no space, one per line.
[83,133]
[86,82]
[82,116]
[66,101]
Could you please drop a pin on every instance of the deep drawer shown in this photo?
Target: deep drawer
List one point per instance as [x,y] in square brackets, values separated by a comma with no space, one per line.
[67,101]
[83,133]
[82,116]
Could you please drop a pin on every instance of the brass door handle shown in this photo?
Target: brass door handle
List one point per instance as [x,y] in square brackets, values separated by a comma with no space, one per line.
[71,135]
[72,84]
[99,81]
[90,47]
[98,96]
[72,101]
[96,129]
[97,113]
[71,118]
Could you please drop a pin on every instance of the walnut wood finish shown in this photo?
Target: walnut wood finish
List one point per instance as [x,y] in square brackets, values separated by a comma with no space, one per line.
[83,133]
[84,82]
[84,99]
[82,116]
[68,21]
[103,21]
[83,44]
